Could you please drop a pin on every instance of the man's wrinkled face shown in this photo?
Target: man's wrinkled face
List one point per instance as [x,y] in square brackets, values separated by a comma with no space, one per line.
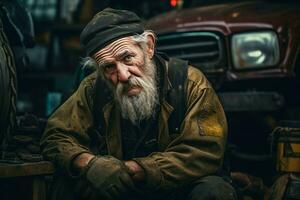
[129,70]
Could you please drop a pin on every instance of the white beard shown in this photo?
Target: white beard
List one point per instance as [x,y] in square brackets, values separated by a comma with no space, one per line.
[141,106]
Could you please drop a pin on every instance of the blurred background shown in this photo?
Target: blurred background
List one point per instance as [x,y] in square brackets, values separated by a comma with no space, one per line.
[55,57]
[54,60]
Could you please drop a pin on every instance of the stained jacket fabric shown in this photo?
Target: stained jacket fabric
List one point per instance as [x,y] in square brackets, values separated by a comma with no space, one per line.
[195,152]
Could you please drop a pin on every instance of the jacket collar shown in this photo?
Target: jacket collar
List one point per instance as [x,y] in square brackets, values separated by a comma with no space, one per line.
[164,84]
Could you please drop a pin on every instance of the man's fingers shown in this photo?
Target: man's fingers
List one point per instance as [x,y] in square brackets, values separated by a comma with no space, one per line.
[128,183]
[114,192]
[121,187]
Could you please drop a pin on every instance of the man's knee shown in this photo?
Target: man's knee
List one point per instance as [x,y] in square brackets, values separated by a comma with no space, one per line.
[212,188]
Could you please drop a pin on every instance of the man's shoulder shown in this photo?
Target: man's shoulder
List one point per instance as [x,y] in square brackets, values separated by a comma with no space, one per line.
[196,77]
[89,81]
[86,88]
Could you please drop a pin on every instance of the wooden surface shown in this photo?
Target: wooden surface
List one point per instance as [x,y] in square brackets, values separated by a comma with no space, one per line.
[33,172]
[26,169]
[39,191]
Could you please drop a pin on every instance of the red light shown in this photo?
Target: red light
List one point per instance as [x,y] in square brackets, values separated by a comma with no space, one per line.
[173,3]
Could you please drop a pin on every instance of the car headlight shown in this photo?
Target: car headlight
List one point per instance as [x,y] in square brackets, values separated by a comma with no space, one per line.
[257,49]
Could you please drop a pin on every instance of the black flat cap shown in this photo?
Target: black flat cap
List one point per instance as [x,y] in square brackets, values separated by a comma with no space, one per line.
[108,26]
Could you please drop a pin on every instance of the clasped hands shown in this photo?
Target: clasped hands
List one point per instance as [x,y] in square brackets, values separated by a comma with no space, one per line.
[111,178]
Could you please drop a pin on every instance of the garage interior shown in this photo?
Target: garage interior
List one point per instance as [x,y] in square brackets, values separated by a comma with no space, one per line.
[41,66]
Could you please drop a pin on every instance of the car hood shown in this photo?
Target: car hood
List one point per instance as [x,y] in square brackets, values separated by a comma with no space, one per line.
[229,17]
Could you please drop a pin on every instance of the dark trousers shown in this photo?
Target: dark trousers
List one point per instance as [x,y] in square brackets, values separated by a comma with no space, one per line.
[211,188]
[206,188]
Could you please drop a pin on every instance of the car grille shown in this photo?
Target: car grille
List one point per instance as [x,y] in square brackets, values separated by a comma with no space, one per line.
[202,49]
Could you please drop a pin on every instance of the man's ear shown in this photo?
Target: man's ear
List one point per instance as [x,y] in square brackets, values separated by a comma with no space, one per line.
[151,44]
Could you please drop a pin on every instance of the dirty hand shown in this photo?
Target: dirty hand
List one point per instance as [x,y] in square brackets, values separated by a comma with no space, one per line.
[109,177]
[135,170]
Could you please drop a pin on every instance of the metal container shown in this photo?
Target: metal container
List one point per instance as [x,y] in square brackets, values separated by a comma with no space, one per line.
[286,140]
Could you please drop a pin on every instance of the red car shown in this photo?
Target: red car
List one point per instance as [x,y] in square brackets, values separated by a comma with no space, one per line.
[250,52]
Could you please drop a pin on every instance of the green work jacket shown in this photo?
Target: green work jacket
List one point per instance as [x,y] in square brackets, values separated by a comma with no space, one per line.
[195,152]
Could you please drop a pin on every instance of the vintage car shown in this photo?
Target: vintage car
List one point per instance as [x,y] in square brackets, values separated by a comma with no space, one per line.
[249,50]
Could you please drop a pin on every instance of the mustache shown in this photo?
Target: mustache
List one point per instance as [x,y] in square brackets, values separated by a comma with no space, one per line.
[140,106]
[132,82]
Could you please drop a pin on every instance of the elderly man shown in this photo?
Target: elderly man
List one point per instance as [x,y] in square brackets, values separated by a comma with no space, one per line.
[142,126]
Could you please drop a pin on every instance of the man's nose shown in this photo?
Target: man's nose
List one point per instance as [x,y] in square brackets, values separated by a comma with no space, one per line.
[123,73]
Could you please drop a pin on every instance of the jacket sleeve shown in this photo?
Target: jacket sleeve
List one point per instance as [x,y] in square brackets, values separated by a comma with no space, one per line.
[199,149]
[65,135]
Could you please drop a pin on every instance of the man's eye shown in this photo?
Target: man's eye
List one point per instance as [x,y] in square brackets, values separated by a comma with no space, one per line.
[109,68]
[128,58]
